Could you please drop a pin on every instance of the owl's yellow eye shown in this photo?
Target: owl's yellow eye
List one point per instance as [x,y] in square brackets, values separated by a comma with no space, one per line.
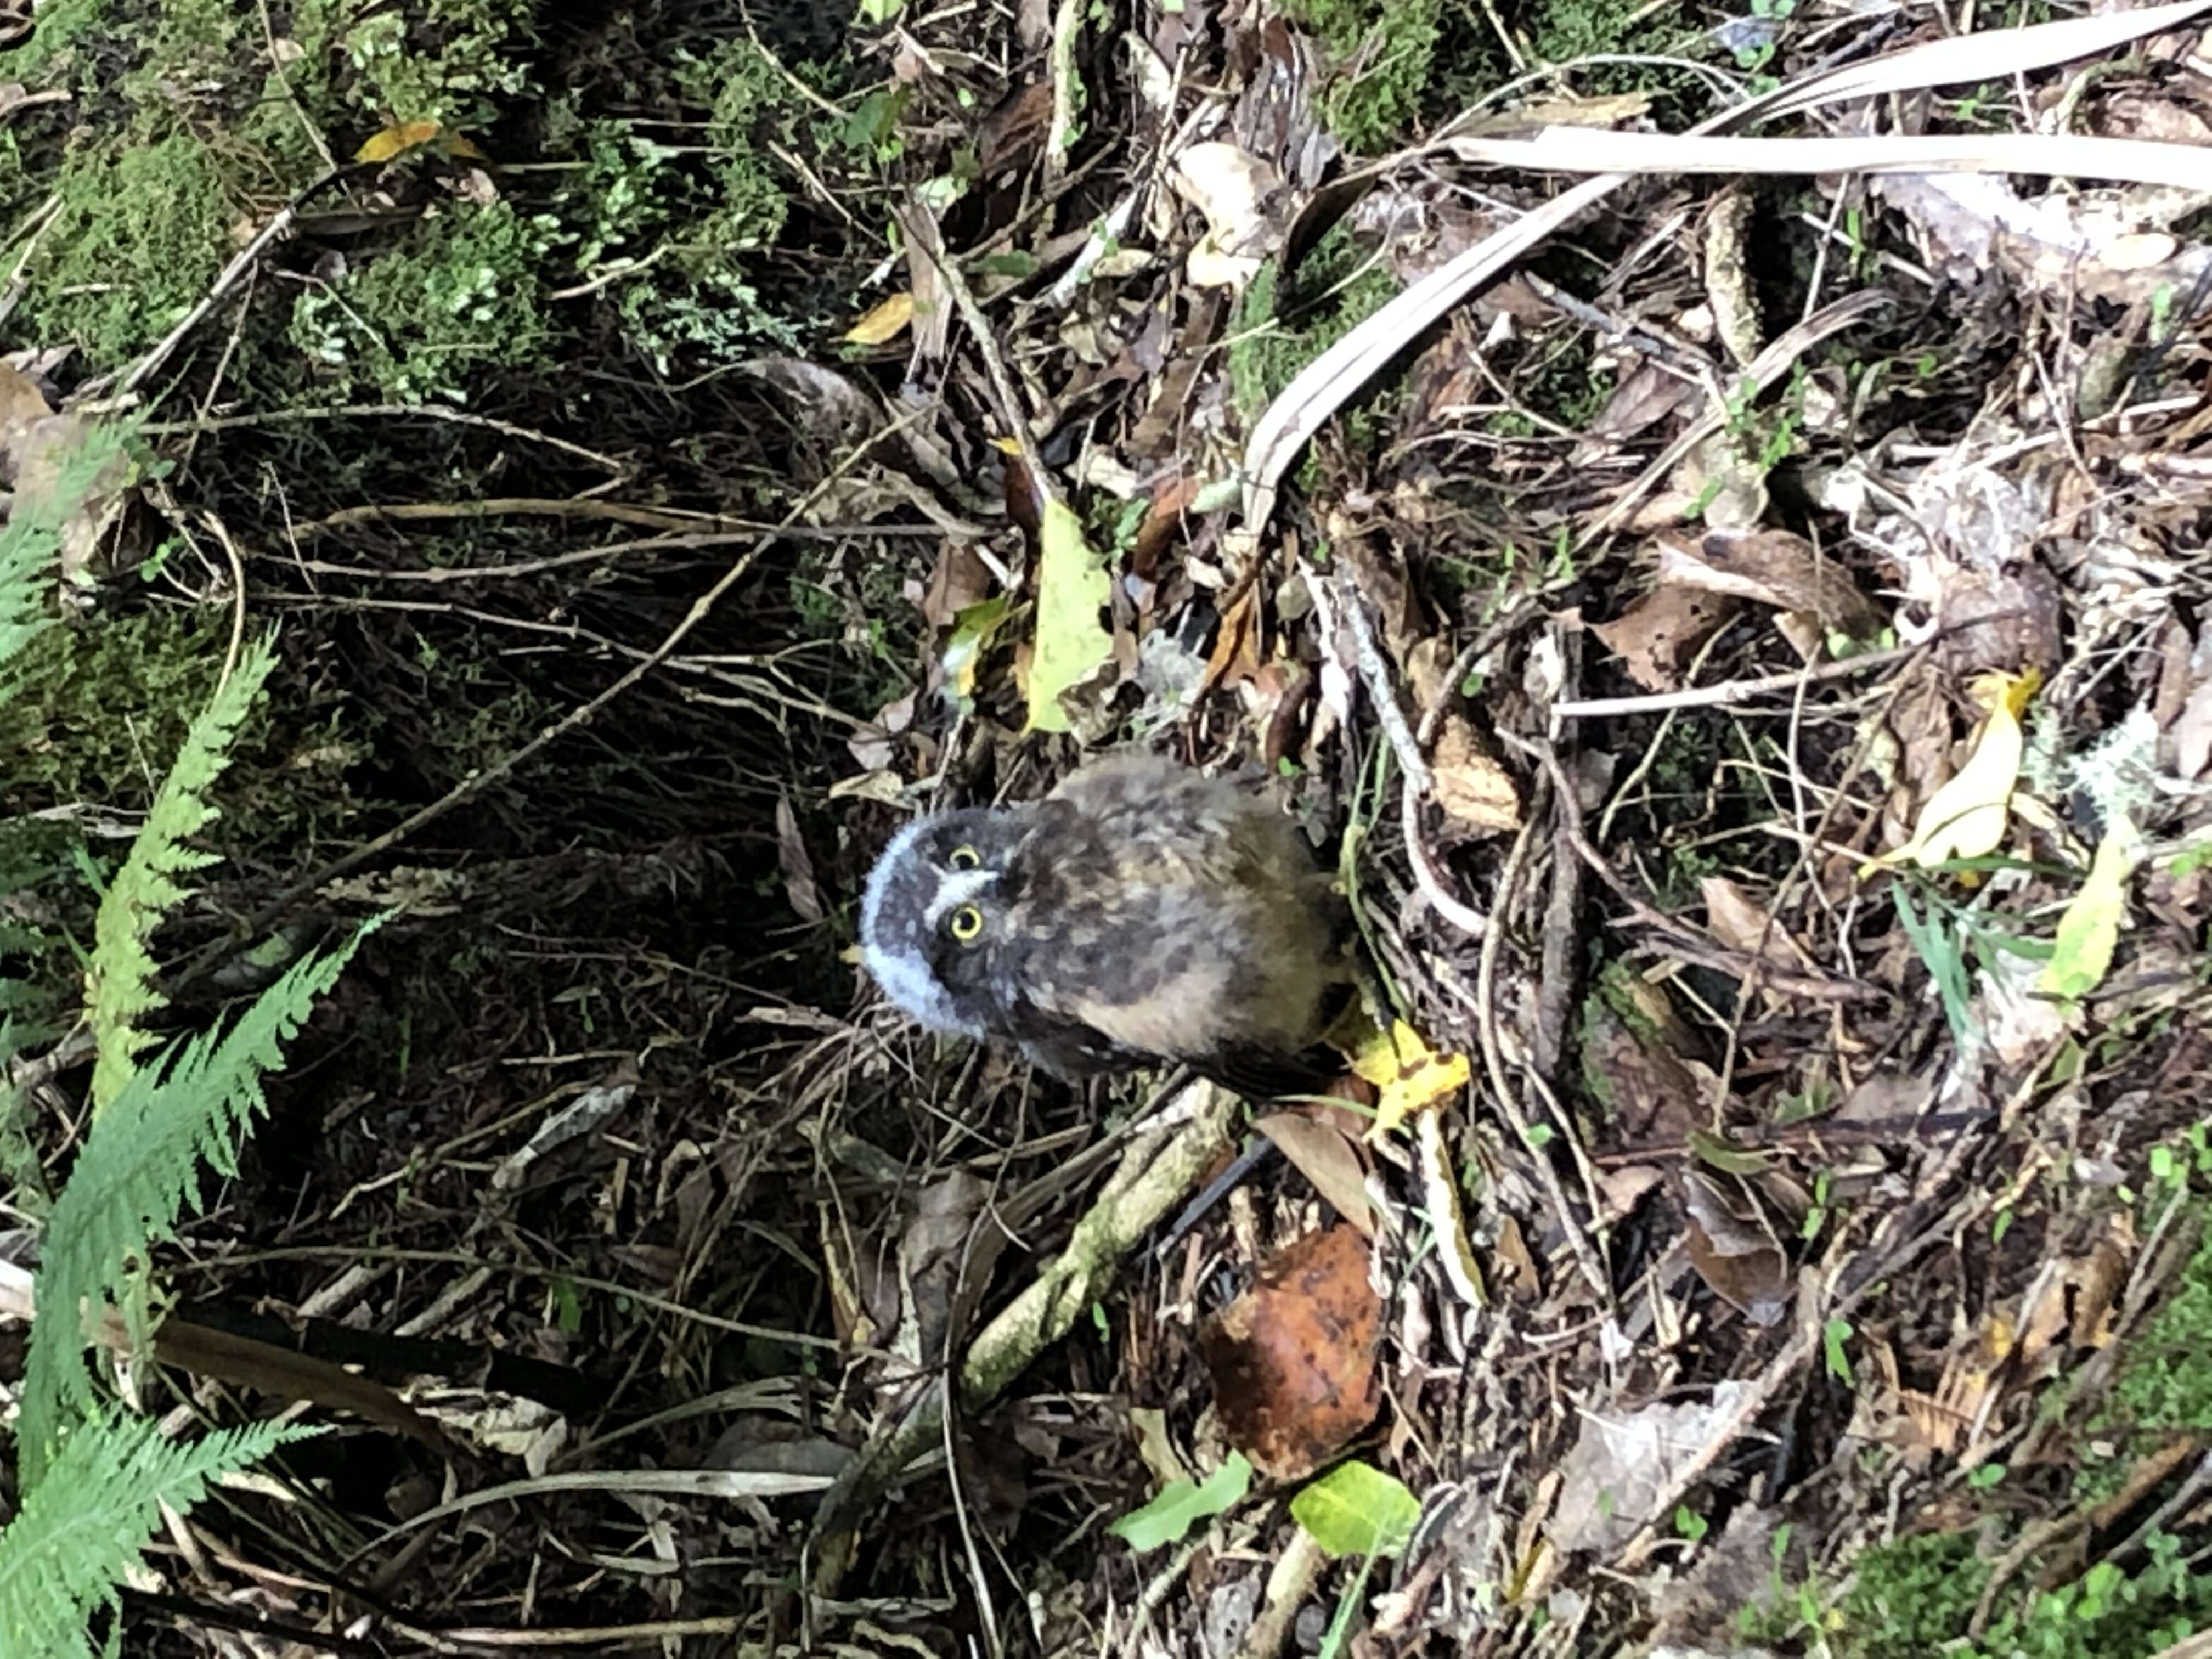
[964,858]
[965,924]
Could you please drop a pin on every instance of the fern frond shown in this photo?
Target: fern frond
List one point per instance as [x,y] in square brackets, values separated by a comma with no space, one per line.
[78,1535]
[32,538]
[119,984]
[139,1169]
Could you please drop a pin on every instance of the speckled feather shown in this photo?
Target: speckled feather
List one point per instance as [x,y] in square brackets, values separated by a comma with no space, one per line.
[1141,912]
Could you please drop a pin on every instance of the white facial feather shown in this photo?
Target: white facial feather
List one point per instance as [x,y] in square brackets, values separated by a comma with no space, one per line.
[899,965]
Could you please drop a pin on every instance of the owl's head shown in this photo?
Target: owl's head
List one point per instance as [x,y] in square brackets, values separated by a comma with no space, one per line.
[934,902]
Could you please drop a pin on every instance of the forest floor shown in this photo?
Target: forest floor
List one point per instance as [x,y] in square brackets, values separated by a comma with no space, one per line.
[1737,622]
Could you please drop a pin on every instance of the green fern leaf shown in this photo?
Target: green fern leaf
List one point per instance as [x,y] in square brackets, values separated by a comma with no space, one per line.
[120,984]
[139,1170]
[81,1532]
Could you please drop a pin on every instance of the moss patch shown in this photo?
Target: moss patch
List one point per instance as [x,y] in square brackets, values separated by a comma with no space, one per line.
[1385,53]
[466,295]
[1273,336]
[139,234]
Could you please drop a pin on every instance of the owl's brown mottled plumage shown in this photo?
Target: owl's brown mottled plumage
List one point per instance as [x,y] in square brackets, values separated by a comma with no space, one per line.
[1141,912]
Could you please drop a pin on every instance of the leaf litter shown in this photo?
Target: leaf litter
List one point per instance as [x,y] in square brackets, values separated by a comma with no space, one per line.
[1788,694]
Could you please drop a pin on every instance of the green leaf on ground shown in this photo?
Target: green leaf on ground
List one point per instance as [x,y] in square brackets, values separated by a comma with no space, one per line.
[1356,1509]
[1182,1505]
[1072,587]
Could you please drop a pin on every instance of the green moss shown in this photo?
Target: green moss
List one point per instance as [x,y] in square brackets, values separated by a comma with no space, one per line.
[448,61]
[466,295]
[1385,51]
[139,234]
[2166,1382]
[1271,338]
[1914,1597]
[105,703]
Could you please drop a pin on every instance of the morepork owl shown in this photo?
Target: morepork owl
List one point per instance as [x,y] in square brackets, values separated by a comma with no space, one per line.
[1140,913]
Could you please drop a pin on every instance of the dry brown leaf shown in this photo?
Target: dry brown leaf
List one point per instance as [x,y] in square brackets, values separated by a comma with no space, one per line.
[958,580]
[798,868]
[1656,637]
[1293,1359]
[1653,1095]
[1736,1254]
[1770,567]
[1471,783]
[1326,1157]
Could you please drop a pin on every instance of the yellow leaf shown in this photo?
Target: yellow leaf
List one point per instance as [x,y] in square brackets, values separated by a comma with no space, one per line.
[1072,587]
[1411,1078]
[1966,817]
[395,141]
[883,323]
[2089,931]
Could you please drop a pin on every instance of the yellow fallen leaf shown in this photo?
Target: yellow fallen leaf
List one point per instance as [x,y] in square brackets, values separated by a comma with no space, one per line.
[1966,817]
[393,141]
[1072,587]
[2089,931]
[883,323]
[1409,1075]
[410,135]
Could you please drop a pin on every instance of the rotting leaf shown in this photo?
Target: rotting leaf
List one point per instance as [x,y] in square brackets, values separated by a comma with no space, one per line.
[1966,817]
[1656,637]
[883,323]
[1472,784]
[1072,588]
[1611,1480]
[1356,1509]
[1409,1075]
[1293,1359]
[797,867]
[1182,1505]
[1738,1259]
[2089,931]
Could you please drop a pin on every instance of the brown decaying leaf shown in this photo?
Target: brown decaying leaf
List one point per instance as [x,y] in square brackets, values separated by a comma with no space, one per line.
[1162,521]
[958,580]
[1325,1156]
[1611,1481]
[797,867]
[1471,783]
[1293,1359]
[1770,567]
[1656,637]
[1734,1253]
[1011,133]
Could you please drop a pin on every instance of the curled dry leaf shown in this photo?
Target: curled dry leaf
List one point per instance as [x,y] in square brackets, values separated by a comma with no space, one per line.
[1770,567]
[1656,637]
[1734,1253]
[1471,783]
[1328,1158]
[797,866]
[1966,817]
[882,322]
[1241,197]
[1293,1359]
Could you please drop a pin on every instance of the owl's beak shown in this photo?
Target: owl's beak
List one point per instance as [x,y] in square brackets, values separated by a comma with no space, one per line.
[959,887]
